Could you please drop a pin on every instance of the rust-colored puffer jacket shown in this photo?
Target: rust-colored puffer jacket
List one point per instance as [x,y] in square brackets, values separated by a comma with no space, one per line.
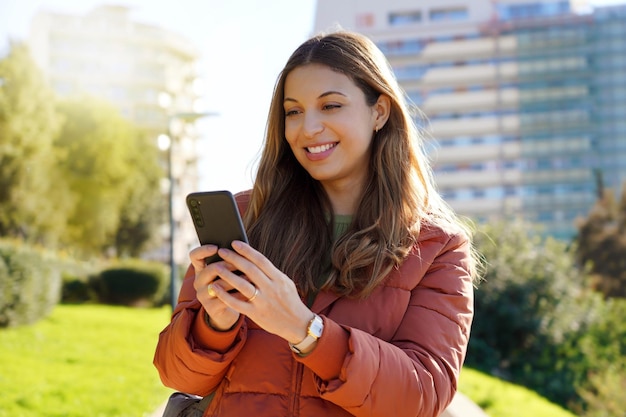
[397,353]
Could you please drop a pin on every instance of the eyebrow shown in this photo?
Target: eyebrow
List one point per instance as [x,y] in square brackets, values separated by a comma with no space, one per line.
[327,93]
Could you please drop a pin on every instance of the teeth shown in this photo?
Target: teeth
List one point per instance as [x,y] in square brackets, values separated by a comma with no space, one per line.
[321,148]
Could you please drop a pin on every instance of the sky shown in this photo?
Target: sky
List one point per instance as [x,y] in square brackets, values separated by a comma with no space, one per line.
[243,45]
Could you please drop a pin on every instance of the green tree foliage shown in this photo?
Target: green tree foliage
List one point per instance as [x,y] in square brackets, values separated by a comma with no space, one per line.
[604,347]
[30,284]
[530,310]
[601,244]
[33,201]
[74,175]
[144,209]
[112,169]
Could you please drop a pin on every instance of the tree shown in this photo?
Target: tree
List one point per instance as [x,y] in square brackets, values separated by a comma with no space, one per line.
[603,344]
[601,243]
[33,200]
[531,308]
[144,210]
[113,171]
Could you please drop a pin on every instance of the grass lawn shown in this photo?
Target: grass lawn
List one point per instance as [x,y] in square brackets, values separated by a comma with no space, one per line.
[96,361]
[83,361]
[503,399]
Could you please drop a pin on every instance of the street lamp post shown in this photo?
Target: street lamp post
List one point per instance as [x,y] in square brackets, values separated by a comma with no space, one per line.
[186,117]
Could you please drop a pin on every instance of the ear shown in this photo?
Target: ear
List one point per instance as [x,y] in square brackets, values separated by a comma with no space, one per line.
[381,110]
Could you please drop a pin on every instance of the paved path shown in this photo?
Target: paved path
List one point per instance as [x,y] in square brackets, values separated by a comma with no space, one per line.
[159,411]
[461,406]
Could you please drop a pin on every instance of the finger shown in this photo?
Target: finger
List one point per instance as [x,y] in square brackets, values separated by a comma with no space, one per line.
[198,255]
[256,258]
[211,289]
[236,262]
[217,289]
[207,274]
[228,275]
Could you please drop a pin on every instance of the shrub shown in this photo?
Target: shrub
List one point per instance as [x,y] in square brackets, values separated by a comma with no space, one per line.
[605,351]
[30,283]
[132,283]
[77,291]
[531,310]
[76,276]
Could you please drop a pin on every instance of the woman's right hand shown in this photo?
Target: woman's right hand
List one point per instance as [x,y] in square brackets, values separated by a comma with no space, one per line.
[221,317]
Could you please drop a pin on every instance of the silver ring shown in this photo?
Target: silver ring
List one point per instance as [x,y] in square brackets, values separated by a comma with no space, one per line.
[256,292]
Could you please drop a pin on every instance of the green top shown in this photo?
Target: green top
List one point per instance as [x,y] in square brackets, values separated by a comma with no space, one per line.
[342,223]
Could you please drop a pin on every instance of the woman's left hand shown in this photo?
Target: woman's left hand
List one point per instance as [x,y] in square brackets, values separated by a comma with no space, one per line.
[272,299]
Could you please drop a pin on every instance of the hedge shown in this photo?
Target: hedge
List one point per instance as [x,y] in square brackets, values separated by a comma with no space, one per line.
[132,283]
[30,284]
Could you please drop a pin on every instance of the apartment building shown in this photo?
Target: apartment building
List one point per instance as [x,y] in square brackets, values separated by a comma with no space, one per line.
[525,101]
[147,72]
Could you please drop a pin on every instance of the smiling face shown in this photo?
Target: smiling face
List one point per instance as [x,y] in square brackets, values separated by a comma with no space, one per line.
[329,125]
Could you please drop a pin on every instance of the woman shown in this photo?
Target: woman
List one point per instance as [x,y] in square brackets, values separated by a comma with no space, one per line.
[356,296]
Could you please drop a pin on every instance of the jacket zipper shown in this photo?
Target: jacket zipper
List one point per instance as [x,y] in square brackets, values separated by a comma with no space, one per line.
[295,392]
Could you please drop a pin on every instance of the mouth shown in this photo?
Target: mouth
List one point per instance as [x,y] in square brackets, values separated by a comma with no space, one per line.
[321,148]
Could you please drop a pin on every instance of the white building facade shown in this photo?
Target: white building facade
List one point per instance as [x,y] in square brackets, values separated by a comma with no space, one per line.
[522,98]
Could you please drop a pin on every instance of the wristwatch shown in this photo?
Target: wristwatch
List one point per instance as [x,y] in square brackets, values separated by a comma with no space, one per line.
[313,332]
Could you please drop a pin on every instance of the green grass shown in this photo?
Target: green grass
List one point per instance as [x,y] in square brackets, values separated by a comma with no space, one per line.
[96,361]
[503,399]
[83,361]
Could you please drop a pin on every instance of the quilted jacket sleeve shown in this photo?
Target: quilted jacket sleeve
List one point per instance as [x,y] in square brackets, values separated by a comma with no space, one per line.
[190,356]
[415,373]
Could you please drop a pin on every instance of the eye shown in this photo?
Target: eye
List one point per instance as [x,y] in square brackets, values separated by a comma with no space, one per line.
[331,106]
[291,112]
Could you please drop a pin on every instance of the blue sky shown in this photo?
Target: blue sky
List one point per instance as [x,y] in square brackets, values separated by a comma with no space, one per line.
[243,44]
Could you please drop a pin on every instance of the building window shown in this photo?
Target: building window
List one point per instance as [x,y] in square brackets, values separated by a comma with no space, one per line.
[478,193]
[510,190]
[532,10]
[405,18]
[449,195]
[448,14]
[545,216]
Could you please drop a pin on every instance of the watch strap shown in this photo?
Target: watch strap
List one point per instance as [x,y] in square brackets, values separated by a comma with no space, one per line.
[314,332]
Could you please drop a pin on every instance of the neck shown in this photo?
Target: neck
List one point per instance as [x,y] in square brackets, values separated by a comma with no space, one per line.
[343,199]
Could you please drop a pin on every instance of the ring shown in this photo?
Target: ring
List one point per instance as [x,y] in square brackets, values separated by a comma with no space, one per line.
[211,291]
[256,292]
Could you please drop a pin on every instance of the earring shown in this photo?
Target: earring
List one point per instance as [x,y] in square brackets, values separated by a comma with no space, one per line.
[376,129]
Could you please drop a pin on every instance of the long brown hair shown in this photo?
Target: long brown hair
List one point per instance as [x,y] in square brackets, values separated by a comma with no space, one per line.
[287,219]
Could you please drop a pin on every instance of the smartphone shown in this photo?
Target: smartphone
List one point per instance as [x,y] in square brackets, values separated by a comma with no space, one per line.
[216,219]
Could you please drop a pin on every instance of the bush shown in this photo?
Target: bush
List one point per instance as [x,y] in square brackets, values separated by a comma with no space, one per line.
[77,276]
[605,351]
[531,310]
[77,291]
[132,283]
[30,283]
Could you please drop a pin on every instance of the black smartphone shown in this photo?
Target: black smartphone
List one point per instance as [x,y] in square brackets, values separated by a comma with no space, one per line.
[216,219]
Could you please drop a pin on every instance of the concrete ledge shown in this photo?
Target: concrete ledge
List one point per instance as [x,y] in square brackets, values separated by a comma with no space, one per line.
[461,406]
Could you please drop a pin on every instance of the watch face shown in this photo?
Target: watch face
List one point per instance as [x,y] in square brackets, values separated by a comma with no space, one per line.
[316,327]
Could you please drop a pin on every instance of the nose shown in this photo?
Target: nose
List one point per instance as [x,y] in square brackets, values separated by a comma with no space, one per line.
[312,124]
